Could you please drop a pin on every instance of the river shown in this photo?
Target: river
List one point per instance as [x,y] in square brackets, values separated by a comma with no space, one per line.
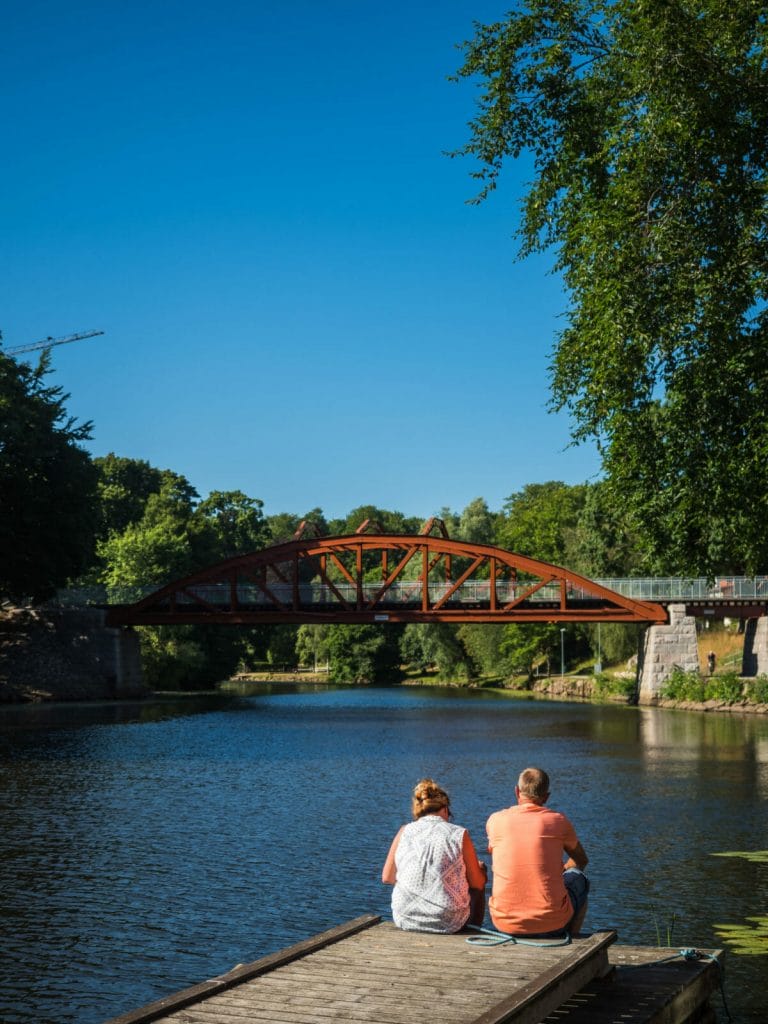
[145,847]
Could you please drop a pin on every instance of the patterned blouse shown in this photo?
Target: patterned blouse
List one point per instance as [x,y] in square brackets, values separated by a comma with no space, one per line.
[431,893]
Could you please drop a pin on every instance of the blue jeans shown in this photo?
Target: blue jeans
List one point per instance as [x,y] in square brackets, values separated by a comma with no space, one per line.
[577,887]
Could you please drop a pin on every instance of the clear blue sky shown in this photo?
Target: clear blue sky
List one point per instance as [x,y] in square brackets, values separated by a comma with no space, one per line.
[253,202]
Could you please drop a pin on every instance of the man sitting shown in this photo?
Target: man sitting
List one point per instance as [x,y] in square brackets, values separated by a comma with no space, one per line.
[536,893]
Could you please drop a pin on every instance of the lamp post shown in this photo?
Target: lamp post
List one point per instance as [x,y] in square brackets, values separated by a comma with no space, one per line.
[562,652]
[599,663]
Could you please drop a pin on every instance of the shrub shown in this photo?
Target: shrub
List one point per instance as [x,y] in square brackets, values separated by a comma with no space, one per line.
[610,686]
[682,685]
[727,687]
[756,690]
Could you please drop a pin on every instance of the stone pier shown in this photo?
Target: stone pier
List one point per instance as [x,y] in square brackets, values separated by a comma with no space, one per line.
[63,653]
[665,648]
[116,651]
[754,658]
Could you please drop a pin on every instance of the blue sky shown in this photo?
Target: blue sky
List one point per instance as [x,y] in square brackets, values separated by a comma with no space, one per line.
[253,202]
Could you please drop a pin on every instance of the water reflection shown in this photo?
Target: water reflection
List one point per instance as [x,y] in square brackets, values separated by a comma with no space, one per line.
[146,847]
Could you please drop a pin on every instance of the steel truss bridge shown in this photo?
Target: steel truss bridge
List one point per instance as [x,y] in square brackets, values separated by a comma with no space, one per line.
[378,578]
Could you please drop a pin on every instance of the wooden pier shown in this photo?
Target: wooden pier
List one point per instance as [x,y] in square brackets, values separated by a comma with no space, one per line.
[369,971]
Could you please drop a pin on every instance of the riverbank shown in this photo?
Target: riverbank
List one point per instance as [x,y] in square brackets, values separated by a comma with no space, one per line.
[593,689]
[51,657]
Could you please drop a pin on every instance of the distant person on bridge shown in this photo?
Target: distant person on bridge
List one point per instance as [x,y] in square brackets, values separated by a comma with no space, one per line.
[535,891]
[439,882]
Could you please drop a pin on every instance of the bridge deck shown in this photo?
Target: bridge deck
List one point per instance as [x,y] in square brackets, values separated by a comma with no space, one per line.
[369,971]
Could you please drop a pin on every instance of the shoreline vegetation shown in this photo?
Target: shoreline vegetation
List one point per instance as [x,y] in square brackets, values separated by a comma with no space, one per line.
[618,689]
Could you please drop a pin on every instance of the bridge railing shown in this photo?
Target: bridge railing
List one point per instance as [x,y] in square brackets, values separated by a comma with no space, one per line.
[700,589]
[406,594]
[409,593]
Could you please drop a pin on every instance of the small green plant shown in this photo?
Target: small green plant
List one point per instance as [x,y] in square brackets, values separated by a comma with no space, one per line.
[669,927]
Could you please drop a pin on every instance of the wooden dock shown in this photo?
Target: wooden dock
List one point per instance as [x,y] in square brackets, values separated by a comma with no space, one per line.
[369,971]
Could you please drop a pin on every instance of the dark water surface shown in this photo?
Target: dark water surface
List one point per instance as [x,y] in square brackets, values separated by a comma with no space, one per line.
[148,847]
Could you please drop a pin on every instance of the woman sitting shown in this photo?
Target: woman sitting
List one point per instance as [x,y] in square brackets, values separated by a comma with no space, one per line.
[439,882]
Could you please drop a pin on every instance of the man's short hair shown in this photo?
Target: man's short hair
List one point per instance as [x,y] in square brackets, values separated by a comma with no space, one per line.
[534,784]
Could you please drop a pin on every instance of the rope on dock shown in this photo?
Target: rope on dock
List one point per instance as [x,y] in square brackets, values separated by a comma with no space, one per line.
[490,937]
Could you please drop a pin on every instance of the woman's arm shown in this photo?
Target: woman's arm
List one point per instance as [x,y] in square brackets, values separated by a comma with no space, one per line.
[477,873]
[389,871]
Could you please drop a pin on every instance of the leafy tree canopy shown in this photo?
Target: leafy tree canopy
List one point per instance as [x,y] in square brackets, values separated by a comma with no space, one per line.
[234,522]
[123,490]
[47,485]
[541,521]
[647,125]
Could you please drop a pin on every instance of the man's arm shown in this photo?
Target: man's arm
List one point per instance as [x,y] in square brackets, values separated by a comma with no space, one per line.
[577,858]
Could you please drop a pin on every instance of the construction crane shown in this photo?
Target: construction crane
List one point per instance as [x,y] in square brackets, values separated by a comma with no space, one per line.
[49,342]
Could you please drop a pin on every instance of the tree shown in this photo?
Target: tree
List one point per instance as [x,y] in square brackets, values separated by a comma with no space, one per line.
[363,654]
[476,523]
[541,521]
[123,490]
[427,644]
[233,524]
[47,485]
[647,124]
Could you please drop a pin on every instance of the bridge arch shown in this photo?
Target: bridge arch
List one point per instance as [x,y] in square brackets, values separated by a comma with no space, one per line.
[379,577]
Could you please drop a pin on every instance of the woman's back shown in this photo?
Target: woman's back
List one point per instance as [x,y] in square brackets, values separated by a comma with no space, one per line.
[431,892]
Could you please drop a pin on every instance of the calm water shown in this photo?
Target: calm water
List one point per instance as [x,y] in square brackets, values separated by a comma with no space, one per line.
[148,847]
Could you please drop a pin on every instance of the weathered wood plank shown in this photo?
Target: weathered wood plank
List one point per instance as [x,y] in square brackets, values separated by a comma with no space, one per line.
[644,991]
[538,998]
[368,972]
[162,1007]
[351,982]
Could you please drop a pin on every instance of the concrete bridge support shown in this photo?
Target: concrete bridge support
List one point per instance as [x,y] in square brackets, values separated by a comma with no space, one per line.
[754,658]
[107,654]
[118,651]
[665,648]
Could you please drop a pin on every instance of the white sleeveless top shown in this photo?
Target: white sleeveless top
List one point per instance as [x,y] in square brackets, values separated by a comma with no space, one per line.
[431,893]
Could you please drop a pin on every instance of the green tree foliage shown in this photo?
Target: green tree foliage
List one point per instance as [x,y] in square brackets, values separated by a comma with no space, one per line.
[363,654]
[123,490]
[229,523]
[605,542]
[438,646]
[312,646]
[283,526]
[647,124]
[541,521]
[482,643]
[476,523]
[47,485]
[156,548]
[526,647]
[380,518]
[174,535]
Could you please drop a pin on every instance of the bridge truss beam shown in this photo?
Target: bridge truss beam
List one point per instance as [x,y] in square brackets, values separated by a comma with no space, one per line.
[367,578]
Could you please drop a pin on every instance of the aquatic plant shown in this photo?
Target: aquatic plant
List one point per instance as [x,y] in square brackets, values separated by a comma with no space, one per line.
[745,939]
[670,927]
[755,856]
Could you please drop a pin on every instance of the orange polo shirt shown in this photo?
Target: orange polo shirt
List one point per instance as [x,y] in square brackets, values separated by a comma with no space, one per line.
[527,843]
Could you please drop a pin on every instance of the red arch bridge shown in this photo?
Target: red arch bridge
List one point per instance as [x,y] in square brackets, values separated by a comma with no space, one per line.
[377,577]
